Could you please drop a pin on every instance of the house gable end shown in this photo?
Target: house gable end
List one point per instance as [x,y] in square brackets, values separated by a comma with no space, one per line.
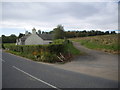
[34,39]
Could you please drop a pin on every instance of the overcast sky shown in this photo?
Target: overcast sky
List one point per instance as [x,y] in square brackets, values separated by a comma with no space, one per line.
[20,16]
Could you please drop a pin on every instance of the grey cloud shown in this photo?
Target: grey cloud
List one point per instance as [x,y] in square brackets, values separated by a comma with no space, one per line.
[94,13]
[47,11]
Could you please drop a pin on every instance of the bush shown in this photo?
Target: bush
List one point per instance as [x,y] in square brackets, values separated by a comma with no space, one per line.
[47,57]
[53,48]
[56,48]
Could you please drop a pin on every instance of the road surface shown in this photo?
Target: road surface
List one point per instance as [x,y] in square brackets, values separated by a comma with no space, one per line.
[94,63]
[18,72]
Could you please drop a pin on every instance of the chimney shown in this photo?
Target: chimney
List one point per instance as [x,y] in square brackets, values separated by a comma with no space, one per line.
[33,31]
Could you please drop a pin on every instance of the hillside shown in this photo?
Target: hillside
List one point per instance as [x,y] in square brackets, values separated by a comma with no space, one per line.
[107,43]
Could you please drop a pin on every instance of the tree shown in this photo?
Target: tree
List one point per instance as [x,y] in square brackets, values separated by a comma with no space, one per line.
[113,32]
[43,32]
[12,38]
[59,32]
[4,39]
[20,35]
[107,32]
[39,31]
[51,32]
[9,39]
[69,34]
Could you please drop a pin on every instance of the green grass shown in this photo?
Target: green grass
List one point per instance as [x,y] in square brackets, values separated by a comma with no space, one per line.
[70,48]
[29,56]
[58,41]
[9,43]
[107,43]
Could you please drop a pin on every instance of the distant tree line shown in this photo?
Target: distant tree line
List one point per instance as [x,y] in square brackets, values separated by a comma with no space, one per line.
[9,39]
[59,33]
[84,33]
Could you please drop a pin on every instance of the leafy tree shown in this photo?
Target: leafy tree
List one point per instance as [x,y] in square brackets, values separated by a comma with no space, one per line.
[4,39]
[51,32]
[70,34]
[9,39]
[12,38]
[43,32]
[39,31]
[59,32]
[20,35]
[107,32]
[113,32]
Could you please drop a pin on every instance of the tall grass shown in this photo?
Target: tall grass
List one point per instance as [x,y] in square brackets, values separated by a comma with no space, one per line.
[107,43]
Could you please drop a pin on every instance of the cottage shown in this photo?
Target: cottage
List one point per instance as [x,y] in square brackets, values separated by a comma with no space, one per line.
[35,38]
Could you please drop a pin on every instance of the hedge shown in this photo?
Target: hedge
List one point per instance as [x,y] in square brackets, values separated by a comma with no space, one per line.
[53,48]
[46,53]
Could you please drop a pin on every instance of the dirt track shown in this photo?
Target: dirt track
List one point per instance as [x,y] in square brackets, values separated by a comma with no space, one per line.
[95,63]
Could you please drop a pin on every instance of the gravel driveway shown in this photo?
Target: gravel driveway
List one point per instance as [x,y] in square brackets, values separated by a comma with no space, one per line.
[95,63]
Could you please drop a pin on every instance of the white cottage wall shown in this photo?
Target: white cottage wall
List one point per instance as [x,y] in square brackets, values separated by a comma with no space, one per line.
[19,42]
[34,39]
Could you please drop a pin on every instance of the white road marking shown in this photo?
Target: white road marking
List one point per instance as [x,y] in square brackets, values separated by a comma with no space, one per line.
[2,60]
[36,78]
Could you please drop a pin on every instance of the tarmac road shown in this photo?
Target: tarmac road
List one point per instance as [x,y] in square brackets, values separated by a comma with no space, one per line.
[18,72]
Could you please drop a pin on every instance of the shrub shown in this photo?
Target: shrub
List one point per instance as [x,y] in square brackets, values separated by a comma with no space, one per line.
[56,48]
[47,57]
[53,48]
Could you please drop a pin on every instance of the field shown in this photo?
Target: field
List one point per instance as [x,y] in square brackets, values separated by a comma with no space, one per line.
[107,43]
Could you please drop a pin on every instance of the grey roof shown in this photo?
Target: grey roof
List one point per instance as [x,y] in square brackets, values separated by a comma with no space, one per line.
[46,36]
[43,36]
[25,37]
